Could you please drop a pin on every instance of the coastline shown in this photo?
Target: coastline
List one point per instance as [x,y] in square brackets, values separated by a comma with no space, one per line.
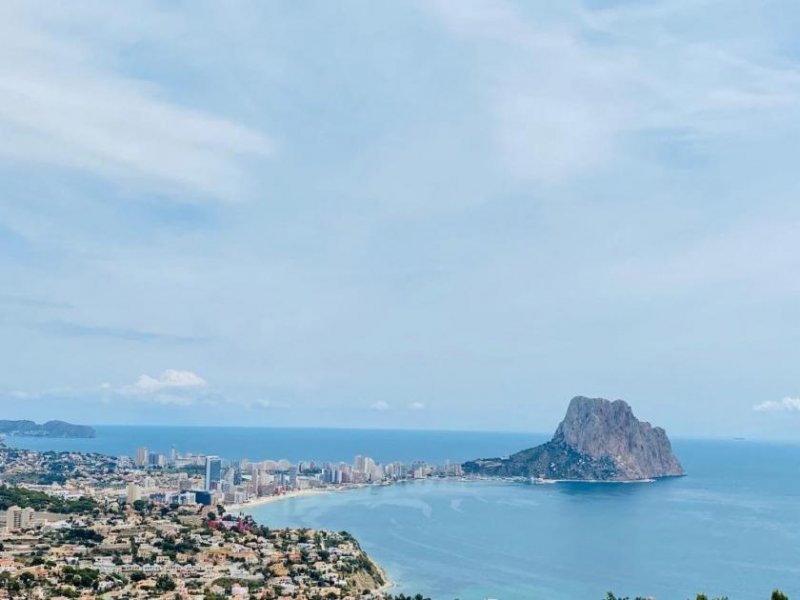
[262,500]
[388,583]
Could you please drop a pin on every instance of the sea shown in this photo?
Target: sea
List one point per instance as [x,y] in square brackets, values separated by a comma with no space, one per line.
[731,527]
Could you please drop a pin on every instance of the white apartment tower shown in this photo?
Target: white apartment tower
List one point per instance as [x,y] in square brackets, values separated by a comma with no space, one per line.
[142,457]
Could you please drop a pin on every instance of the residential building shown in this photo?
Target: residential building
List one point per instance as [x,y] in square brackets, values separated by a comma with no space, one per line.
[213,472]
[142,457]
[134,493]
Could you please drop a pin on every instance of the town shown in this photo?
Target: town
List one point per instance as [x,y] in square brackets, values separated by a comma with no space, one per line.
[80,525]
[198,479]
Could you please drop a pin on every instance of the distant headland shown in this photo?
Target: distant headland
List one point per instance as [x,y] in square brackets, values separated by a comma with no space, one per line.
[598,440]
[51,429]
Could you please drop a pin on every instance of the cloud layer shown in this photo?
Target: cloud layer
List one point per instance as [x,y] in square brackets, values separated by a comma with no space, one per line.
[63,105]
[489,206]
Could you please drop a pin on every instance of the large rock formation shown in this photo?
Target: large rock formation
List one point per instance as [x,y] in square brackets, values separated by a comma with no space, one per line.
[597,440]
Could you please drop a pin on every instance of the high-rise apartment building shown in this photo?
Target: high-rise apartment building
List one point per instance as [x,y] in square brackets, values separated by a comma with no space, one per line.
[213,472]
[142,457]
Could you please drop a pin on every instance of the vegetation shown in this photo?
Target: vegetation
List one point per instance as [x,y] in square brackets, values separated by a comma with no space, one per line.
[16,496]
[81,535]
[228,582]
[165,583]
[776,595]
[80,578]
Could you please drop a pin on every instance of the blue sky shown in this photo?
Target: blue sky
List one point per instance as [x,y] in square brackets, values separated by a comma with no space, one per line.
[422,214]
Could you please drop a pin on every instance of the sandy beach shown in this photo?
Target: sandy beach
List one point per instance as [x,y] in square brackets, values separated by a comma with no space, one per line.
[276,498]
[293,494]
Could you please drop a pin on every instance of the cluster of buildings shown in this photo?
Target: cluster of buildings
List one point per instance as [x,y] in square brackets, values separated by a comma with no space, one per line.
[120,552]
[214,480]
[47,469]
[116,529]
[81,525]
[195,479]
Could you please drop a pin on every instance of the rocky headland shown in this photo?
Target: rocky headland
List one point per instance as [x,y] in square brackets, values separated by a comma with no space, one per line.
[60,429]
[598,440]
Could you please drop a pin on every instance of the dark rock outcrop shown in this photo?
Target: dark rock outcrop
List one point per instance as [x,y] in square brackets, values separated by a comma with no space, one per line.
[60,429]
[597,440]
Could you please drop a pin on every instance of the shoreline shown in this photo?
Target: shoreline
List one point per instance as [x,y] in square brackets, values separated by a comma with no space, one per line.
[264,500]
[388,583]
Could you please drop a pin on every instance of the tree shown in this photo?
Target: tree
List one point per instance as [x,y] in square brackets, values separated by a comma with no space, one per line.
[26,579]
[779,595]
[165,583]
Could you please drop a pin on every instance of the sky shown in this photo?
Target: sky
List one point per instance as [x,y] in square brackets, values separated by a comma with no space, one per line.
[425,214]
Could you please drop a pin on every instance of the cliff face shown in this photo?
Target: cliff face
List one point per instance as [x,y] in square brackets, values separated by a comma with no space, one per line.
[597,440]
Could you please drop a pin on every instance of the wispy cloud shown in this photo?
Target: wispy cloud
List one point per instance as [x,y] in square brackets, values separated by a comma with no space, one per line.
[571,89]
[171,400]
[260,404]
[416,406]
[74,329]
[754,253]
[31,302]
[63,103]
[380,405]
[173,387]
[171,379]
[787,404]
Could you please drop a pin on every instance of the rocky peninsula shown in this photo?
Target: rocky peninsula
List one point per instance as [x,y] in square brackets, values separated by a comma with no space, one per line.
[598,440]
[52,429]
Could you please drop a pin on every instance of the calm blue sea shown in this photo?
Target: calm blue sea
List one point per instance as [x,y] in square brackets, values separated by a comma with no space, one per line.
[294,444]
[731,527]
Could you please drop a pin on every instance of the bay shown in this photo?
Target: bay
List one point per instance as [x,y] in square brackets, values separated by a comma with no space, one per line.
[731,527]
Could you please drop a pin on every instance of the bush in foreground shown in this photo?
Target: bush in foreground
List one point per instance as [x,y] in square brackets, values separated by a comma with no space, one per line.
[776,595]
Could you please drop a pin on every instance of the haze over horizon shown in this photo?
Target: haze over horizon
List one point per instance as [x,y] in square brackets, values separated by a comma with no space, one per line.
[440,215]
